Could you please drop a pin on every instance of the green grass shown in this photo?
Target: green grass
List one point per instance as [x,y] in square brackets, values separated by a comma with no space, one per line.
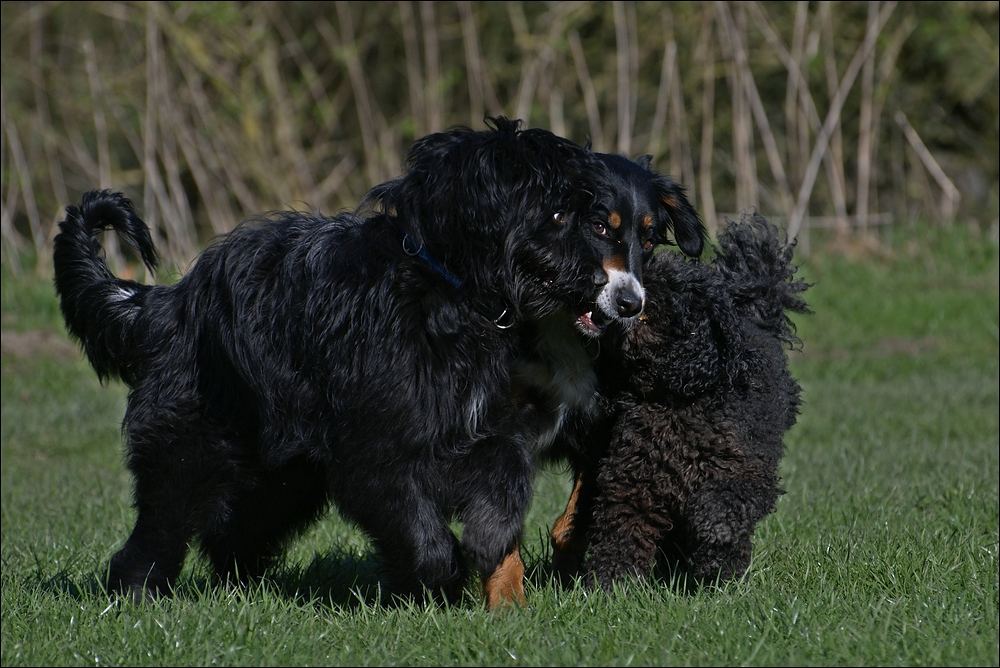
[882,552]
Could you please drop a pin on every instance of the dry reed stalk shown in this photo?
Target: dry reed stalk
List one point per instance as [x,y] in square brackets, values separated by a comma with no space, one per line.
[12,244]
[866,127]
[951,195]
[414,77]
[752,95]
[796,131]
[744,167]
[112,249]
[482,98]
[836,148]
[883,78]
[295,166]
[432,57]
[624,41]
[707,121]
[537,51]
[806,116]
[663,90]
[214,142]
[346,45]
[147,150]
[293,46]
[589,93]
[43,117]
[822,143]
[681,160]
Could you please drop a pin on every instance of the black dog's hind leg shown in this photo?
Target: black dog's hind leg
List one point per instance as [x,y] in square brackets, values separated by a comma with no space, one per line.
[185,470]
[180,486]
[262,516]
[147,565]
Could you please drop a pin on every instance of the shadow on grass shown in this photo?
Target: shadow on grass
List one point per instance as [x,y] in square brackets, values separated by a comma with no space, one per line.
[332,579]
[347,581]
[668,576]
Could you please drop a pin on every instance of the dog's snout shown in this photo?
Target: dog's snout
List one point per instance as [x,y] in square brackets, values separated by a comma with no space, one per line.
[628,303]
[622,298]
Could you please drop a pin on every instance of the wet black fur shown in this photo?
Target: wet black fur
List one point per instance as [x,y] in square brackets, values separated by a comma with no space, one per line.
[697,398]
[307,359]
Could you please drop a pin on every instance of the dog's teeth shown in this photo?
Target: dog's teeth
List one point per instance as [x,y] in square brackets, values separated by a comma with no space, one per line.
[587,322]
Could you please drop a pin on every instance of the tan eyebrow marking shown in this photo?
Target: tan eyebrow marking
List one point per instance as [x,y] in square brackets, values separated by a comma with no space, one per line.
[614,220]
[647,221]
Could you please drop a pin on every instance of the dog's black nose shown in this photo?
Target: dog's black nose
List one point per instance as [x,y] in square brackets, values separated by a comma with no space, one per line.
[628,303]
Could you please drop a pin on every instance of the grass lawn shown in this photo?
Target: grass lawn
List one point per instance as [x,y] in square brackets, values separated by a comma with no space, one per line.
[882,552]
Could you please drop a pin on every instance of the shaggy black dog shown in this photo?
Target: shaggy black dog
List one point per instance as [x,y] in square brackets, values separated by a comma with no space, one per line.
[360,359]
[697,398]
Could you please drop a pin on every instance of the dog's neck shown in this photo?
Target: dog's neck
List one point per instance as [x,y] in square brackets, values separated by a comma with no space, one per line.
[495,310]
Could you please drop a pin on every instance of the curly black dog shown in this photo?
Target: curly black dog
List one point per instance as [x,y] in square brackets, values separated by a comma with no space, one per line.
[697,398]
[364,359]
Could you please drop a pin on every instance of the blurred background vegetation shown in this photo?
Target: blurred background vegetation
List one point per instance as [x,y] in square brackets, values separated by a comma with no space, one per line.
[842,116]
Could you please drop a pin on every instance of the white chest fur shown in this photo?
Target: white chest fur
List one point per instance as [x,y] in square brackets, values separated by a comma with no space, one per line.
[559,371]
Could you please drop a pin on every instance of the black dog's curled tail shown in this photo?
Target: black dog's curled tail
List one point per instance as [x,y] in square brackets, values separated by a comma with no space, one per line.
[99,308]
[757,264]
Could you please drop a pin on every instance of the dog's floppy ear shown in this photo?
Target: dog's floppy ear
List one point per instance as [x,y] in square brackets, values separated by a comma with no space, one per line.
[689,232]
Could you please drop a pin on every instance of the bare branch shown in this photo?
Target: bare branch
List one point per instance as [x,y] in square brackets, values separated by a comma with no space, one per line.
[707,123]
[589,93]
[832,118]
[949,205]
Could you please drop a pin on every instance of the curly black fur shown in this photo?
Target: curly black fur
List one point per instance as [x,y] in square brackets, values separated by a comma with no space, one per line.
[362,359]
[698,398]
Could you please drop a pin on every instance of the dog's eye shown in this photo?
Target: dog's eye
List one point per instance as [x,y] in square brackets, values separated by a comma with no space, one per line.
[558,217]
[601,229]
[648,245]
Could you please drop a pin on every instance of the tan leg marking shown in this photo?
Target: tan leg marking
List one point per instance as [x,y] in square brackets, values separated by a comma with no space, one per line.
[506,585]
[567,548]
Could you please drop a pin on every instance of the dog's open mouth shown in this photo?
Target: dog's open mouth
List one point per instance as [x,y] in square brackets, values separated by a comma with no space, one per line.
[592,322]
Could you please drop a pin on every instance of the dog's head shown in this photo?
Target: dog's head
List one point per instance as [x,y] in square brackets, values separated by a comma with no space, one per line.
[507,212]
[640,208]
[689,339]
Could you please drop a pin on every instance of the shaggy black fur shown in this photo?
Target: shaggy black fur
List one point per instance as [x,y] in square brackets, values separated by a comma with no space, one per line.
[698,397]
[363,360]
